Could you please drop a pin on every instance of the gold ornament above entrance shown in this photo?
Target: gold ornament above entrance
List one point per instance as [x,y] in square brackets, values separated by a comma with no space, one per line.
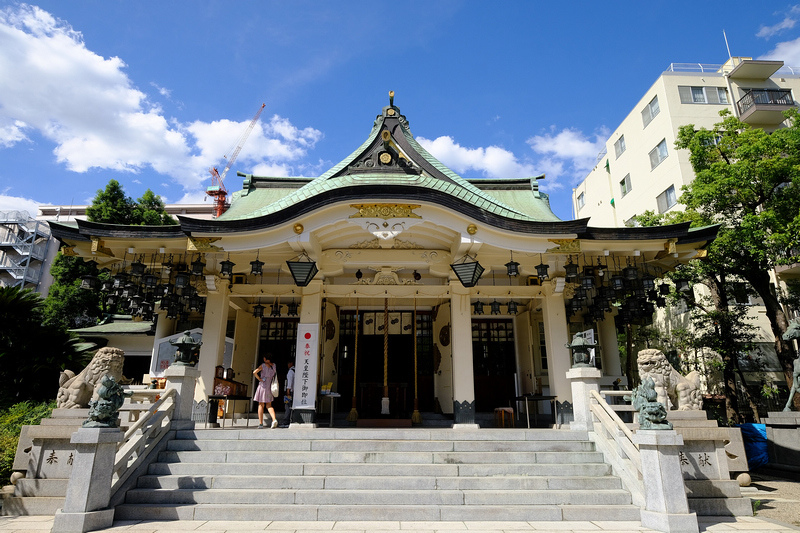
[203,244]
[565,246]
[385,211]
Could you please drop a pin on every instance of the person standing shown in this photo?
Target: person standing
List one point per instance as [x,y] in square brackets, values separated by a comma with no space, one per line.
[264,374]
[288,396]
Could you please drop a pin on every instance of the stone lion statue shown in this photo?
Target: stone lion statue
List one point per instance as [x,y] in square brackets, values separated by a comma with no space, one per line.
[675,391]
[75,392]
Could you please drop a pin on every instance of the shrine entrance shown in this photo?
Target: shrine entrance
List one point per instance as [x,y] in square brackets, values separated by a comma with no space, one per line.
[399,371]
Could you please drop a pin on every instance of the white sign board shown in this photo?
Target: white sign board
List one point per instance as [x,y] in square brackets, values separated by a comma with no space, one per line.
[305,378]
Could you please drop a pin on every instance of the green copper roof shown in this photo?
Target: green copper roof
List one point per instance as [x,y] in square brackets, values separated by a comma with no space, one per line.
[409,165]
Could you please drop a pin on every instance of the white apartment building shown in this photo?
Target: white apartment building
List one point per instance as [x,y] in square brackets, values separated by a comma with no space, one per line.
[640,168]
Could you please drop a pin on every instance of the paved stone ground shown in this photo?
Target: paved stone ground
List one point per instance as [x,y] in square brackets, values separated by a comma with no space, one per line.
[779,498]
[38,524]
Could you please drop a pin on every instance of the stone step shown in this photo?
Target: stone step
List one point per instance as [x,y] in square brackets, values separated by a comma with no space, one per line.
[375,469]
[381,446]
[380,482]
[500,513]
[378,497]
[383,434]
[279,457]
[29,506]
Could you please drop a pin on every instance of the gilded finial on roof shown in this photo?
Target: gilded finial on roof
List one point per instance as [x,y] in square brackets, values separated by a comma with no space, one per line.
[391,98]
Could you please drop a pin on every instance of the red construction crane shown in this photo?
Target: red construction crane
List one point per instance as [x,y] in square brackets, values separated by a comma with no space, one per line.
[217,189]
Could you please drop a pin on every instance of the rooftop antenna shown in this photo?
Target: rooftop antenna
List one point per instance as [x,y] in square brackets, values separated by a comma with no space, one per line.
[726,44]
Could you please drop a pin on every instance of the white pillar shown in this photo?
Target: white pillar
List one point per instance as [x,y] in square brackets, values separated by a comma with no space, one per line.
[245,346]
[310,313]
[184,380]
[215,323]
[583,381]
[666,508]
[609,350]
[463,374]
[556,333]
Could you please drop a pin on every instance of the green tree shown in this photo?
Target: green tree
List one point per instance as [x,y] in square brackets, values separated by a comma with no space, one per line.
[111,206]
[748,181]
[32,353]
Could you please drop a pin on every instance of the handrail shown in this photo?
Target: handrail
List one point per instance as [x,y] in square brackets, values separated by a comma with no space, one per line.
[615,440]
[152,424]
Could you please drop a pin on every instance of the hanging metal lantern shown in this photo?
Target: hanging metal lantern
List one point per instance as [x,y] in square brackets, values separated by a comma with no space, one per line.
[106,285]
[495,306]
[468,272]
[478,307]
[541,270]
[276,310]
[661,302]
[258,310]
[89,282]
[256,267]
[195,302]
[663,289]
[197,266]
[291,308]
[150,281]
[137,269]
[571,269]
[580,294]
[587,282]
[512,307]
[512,267]
[630,273]
[302,271]
[120,279]
[648,282]
[181,280]
[226,267]
[617,283]
[682,285]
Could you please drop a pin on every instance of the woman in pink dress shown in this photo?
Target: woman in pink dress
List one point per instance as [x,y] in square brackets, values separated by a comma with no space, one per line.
[263,395]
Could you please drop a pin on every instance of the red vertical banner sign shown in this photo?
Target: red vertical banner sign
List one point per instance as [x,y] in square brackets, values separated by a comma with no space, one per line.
[305,384]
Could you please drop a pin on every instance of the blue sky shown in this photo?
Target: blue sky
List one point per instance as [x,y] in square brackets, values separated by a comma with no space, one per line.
[152,93]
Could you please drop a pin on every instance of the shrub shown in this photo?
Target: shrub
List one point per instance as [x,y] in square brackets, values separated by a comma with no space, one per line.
[11,421]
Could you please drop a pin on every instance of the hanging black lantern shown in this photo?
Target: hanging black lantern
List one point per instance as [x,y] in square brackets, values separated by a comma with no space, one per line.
[107,285]
[617,283]
[587,282]
[663,289]
[571,269]
[652,295]
[468,272]
[541,270]
[512,307]
[630,273]
[226,267]
[648,282]
[173,311]
[478,307]
[150,281]
[181,280]
[90,282]
[276,310]
[682,285]
[649,308]
[495,306]
[256,267]
[258,310]
[302,271]
[137,269]
[417,276]
[661,302]
[291,308]
[195,302]
[580,294]
[512,267]
[198,266]
[597,312]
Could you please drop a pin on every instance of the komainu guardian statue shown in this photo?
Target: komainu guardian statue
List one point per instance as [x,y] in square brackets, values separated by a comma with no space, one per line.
[103,410]
[675,391]
[75,392]
[793,332]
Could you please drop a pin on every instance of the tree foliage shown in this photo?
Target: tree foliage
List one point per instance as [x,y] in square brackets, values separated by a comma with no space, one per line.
[748,181]
[32,352]
[112,206]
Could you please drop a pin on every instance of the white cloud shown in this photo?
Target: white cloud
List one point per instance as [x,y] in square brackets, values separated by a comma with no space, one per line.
[768,31]
[491,162]
[17,203]
[787,51]
[569,154]
[88,107]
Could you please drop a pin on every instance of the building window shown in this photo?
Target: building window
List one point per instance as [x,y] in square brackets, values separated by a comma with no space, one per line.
[658,154]
[581,200]
[619,146]
[542,349]
[625,185]
[722,93]
[650,111]
[666,199]
[698,95]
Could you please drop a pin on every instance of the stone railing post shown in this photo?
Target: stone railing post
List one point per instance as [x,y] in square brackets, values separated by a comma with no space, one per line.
[582,381]
[666,507]
[183,379]
[89,488]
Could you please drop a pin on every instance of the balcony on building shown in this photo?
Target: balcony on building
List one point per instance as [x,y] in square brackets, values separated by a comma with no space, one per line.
[765,106]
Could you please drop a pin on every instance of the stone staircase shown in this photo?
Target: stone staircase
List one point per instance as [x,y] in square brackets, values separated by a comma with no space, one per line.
[425,474]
